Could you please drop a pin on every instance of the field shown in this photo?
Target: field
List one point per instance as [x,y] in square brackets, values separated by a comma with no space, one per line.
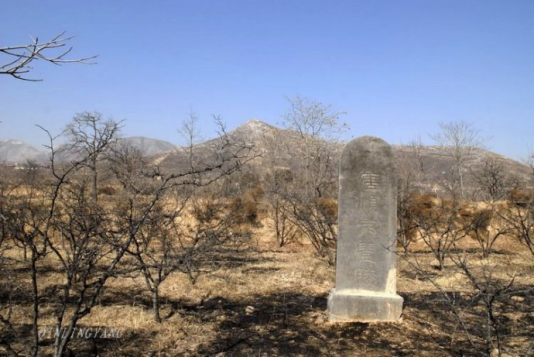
[270,301]
[108,255]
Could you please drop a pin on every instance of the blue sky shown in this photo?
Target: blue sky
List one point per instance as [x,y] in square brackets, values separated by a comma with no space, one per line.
[398,68]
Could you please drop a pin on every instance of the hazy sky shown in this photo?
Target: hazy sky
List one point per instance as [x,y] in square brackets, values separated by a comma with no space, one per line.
[397,68]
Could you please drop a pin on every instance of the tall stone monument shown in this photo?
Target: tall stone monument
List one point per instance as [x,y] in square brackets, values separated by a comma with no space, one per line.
[365,288]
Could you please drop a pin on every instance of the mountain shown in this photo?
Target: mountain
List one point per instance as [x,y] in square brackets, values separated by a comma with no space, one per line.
[148,146]
[18,152]
[278,151]
[437,164]
[252,133]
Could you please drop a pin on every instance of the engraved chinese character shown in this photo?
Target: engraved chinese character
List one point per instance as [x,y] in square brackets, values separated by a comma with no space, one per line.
[370,199]
[370,181]
[365,251]
[366,277]
[367,228]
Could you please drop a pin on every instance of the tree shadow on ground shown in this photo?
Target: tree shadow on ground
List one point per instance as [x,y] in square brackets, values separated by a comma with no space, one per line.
[290,323]
[285,323]
[434,312]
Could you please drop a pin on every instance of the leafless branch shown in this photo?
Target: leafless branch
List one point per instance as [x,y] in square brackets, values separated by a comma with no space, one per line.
[55,51]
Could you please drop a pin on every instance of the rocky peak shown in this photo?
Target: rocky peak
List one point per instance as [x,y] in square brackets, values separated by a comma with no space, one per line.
[255,125]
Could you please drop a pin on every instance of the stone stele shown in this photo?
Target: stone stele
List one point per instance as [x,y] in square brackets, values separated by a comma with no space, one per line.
[365,288]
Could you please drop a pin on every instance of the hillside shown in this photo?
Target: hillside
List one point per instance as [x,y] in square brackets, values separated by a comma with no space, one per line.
[276,145]
[148,146]
[277,149]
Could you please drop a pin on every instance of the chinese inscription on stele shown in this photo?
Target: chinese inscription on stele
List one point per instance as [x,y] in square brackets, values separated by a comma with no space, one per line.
[365,289]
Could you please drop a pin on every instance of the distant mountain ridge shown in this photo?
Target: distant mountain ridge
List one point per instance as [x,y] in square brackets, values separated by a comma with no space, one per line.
[434,160]
[18,152]
[149,146]
[266,138]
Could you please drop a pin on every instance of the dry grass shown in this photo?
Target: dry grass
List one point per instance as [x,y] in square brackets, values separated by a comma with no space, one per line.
[266,301]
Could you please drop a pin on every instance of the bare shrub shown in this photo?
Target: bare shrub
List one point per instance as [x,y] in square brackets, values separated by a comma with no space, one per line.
[518,216]
[318,220]
[485,227]
[285,231]
[438,225]
[247,207]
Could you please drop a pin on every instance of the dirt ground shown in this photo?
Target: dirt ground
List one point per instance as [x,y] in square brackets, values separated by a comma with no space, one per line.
[269,301]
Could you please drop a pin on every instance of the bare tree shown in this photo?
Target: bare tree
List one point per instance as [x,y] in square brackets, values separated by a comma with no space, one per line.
[460,141]
[94,239]
[491,179]
[19,58]
[77,233]
[488,292]
[318,127]
[479,302]
[88,240]
[411,174]
[91,137]
[165,244]
[126,163]
[189,130]
[479,305]
[155,251]
[277,182]
[479,308]
[31,221]
[21,218]
[306,199]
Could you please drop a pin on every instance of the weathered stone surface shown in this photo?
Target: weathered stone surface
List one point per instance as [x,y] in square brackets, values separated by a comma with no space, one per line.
[365,288]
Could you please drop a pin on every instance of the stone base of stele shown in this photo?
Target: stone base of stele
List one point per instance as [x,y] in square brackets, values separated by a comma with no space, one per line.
[363,306]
